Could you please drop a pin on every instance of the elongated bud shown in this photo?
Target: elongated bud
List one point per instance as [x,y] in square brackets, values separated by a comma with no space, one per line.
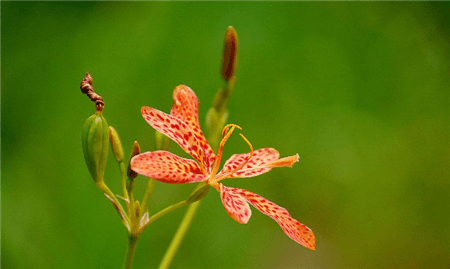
[95,143]
[162,142]
[136,150]
[116,144]
[229,61]
[137,208]
[198,194]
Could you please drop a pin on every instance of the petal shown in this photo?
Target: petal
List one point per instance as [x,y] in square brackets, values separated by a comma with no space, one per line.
[291,227]
[257,165]
[167,167]
[236,205]
[288,161]
[175,129]
[185,107]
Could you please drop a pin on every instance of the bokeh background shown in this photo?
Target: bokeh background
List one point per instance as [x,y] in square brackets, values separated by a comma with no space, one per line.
[359,90]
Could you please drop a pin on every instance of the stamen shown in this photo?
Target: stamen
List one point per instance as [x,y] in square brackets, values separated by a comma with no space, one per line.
[225,135]
[249,144]
[242,164]
[225,129]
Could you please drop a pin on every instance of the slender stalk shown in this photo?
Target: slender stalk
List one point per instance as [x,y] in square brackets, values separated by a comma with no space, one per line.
[123,172]
[147,195]
[167,210]
[162,213]
[131,248]
[102,186]
[128,195]
[179,235]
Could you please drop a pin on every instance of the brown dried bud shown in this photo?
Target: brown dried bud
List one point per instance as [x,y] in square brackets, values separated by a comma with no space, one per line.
[86,88]
[229,61]
[134,151]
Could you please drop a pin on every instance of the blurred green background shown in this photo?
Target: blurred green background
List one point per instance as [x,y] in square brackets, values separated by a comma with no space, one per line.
[359,90]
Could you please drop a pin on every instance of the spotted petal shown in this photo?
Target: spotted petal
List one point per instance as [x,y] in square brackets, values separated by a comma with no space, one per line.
[177,130]
[255,166]
[185,107]
[236,205]
[291,227]
[167,167]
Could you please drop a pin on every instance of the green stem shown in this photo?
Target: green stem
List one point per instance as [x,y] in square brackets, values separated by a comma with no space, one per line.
[126,194]
[147,195]
[132,242]
[179,235]
[123,172]
[102,186]
[166,210]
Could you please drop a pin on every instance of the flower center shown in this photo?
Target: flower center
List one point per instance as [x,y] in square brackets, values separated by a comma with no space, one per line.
[226,133]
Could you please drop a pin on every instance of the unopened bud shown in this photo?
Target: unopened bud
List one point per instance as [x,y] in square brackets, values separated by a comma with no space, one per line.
[95,145]
[198,194]
[229,61]
[212,118]
[137,209]
[162,142]
[215,122]
[116,144]
[134,151]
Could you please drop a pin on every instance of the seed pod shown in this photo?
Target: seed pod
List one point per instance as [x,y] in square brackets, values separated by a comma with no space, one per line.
[95,142]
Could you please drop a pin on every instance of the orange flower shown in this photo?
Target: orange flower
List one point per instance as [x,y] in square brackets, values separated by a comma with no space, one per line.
[182,126]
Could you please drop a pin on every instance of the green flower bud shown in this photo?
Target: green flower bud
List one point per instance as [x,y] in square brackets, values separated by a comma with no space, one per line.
[137,209]
[198,194]
[212,120]
[162,142]
[116,144]
[95,143]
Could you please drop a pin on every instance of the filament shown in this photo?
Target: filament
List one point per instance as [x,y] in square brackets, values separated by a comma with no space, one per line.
[225,135]
[241,165]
